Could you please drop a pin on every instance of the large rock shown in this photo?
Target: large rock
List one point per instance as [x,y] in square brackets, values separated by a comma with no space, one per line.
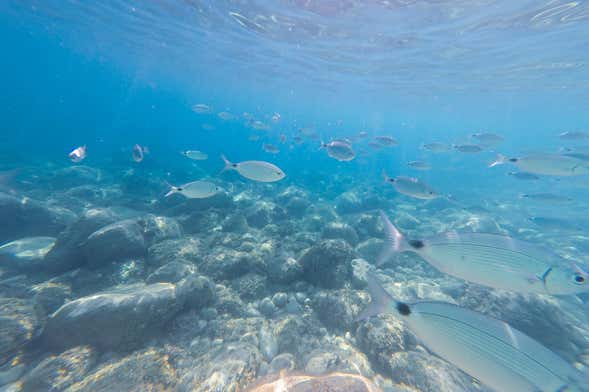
[158,228]
[196,292]
[146,370]
[20,323]
[339,230]
[115,242]
[264,213]
[24,217]
[227,263]
[336,382]
[328,264]
[172,272]
[67,253]
[114,320]
[284,271]
[56,373]
[338,309]
[188,250]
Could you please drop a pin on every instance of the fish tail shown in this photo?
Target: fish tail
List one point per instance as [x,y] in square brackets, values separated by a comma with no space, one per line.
[172,190]
[380,299]
[395,242]
[385,177]
[500,160]
[228,164]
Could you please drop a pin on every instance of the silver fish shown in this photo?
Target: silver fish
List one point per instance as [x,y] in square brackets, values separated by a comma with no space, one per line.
[225,116]
[468,148]
[195,155]
[195,190]
[486,348]
[574,135]
[412,187]
[138,153]
[386,140]
[524,176]
[340,150]
[435,147]
[488,139]
[419,165]
[546,164]
[78,154]
[28,248]
[547,197]
[255,170]
[270,148]
[201,108]
[492,260]
[259,126]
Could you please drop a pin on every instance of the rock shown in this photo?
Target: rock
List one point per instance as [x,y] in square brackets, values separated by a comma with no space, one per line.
[30,218]
[370,249]
[266,307]
[251,286]
[184,250]
[268,343]
[159,228]
[289,332]
[20,323]
[297,206]
[227,263]
[360,269]
[180,205]
[50,296]
[280,299]
[328,264]
[337,309]
[284,361]
[171,272]
[321,363]
[115,242]
[72,176]
[263,213]
[113,320]
[381,337]
[285,271]
[146,370]
[67,252]
[337,382]
[368,226]
[57,373]
[427,373]
[235,223]
[196,292]
[10,372]
[338,230]
[229,302]
[348,202]
[208,314]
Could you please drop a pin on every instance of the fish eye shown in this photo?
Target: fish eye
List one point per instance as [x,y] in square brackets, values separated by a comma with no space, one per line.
[579,279]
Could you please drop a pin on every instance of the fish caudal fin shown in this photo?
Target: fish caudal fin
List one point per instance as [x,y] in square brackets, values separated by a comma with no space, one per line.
[228,164]
[500,160]
[172,190]
[385,177]
[394,241]
[380,299]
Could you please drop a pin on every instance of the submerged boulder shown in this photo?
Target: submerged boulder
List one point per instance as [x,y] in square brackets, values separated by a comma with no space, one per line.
[328,264]
[115,242]
[20,323]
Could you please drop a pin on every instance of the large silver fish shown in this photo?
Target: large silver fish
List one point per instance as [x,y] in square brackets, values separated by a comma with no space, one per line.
[340,150]
[488,349]
[27,248]
[411,187]
[255,170]
[547,164]
[492,260]
[195,190]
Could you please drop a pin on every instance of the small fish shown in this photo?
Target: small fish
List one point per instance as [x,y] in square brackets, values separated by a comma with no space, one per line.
[255,170]
[468,148]
[339,150]
[435,147]
[282,138]
[253,138]
[259,126]
[419,165]
[547,197]
[492,260]
[276,117]
[488,349]
[524,176]
[201,108]
[488,139]
[411,187]
[546,164]
[574,135]
[28,248]
[387,141]
[138,153]
[225,116]
[78,154]
[195,190]
[195,155]
[270,148]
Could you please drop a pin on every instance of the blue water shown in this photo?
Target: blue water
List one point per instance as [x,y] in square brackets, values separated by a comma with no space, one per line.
[113,74]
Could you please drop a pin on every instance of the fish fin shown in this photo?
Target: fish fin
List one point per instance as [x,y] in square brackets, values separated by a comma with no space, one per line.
[380,299]
[394,242]
[499,160]
[172,190]
[228,164]
[385,177]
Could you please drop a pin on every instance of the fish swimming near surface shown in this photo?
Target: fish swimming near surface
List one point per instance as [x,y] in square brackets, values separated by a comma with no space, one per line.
[435,147]
[546,164]
[524,176]
[195,155]
[195,190]
[486,348]
[388,141]
[412,187]
[201,108]
[488,139]
[492,260]
[255,170]
[78,154]
[340,150]
[468,148]
[419,165]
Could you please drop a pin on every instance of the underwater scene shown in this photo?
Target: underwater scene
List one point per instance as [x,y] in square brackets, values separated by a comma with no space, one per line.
[294,195]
